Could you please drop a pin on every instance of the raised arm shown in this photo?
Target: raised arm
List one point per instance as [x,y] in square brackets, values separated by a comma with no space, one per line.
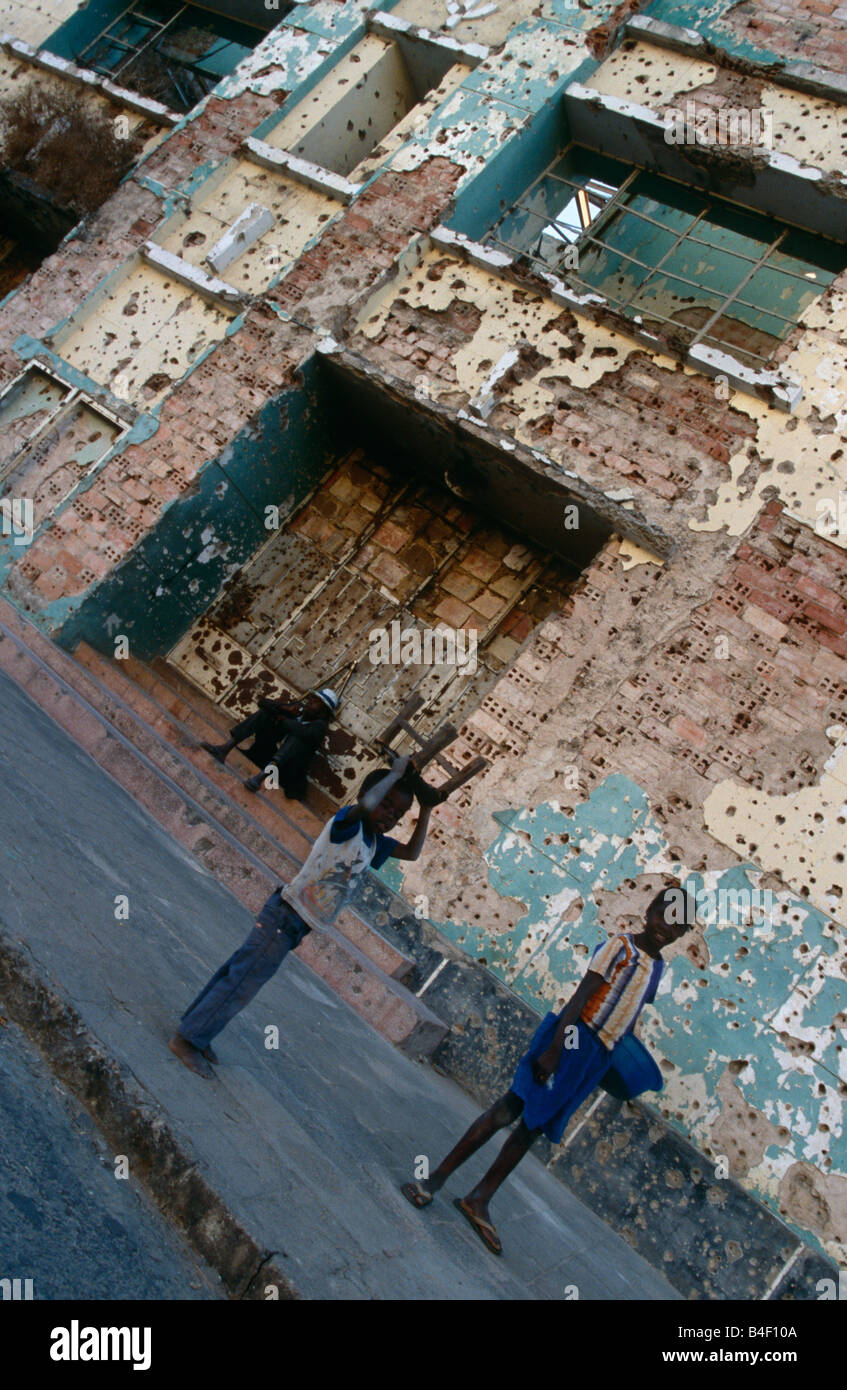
[412,849]
[374,795]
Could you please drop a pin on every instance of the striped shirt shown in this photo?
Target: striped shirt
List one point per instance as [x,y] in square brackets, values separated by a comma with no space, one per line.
[630,980]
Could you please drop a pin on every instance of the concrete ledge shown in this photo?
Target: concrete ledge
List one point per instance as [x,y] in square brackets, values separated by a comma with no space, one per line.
[301,170]
[390,26]
[137,1128]
[193,276]
[84,77]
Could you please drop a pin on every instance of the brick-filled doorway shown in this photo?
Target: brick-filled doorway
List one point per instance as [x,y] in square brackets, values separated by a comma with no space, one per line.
[374,546]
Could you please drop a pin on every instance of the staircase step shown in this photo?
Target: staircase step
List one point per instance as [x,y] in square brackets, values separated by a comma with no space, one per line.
[321,804]
[180,689]
[118,677]
[356,961]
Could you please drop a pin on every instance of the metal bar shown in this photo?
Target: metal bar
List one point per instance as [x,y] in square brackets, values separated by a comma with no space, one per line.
[680,238]
[103,32]
[574,280]
[708,205]
[719,313]
[142,48]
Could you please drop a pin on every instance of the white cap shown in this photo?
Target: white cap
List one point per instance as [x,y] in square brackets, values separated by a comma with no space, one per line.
[329,698]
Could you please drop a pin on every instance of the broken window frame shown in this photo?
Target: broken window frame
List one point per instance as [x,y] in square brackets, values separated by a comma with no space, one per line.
[73,396]
[615,204]
[403,41]
[134,11]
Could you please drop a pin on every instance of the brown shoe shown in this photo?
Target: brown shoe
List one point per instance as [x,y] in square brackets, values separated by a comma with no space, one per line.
[210,1055]
[190,1056]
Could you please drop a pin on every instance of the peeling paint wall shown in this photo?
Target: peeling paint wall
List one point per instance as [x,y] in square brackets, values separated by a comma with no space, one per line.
[679,710]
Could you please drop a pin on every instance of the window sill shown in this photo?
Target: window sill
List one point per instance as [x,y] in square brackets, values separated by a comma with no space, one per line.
[774,387]
[84,77]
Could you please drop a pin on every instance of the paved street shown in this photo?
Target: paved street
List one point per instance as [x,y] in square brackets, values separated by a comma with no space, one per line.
[66,1222]
[308,1142]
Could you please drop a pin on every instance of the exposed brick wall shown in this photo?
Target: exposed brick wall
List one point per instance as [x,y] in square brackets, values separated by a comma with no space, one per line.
[653,427]
[363,244]
[127,497]
[665,431]
[210,137]
[814,31]
[747,687]
[418,339]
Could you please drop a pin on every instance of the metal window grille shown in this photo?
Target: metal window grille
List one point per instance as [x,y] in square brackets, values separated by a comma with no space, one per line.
[592,211]
[164,50]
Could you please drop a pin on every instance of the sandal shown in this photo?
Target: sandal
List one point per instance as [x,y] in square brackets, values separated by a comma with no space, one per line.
[484,1229]
[417,1195]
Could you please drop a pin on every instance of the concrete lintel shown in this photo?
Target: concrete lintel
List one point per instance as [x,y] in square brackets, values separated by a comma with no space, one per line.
[825,83]
[301,170]
[638,134]
[389,26]
[474,251]
[783,392]
[251,224]
[84,77]
[193,276]
[529,462]
[656,31]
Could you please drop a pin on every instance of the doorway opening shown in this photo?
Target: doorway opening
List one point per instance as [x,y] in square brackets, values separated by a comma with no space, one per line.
[411,533]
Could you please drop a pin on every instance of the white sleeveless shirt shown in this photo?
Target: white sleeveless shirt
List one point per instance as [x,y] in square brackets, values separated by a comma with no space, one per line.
[324,884]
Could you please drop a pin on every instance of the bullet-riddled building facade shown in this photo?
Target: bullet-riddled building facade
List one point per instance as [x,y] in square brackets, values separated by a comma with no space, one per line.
[521,320]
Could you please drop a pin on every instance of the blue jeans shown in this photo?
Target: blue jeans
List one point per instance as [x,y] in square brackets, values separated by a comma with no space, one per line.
[278,931]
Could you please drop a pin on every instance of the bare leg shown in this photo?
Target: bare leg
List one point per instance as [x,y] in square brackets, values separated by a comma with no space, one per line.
[518,1143]
[502,1113]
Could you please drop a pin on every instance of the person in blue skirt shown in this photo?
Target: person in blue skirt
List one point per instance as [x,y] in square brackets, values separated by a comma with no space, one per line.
[568,1057]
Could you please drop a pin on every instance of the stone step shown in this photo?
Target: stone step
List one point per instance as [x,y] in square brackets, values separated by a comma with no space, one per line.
[204,821]
[240,811]
[172,721]
[257,811]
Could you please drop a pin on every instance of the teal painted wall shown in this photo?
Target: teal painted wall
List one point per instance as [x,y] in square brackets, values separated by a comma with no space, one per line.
[176,571]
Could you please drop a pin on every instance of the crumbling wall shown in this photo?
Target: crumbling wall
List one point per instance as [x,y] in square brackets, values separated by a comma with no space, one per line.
[812,30]
[700,741]
[624,728]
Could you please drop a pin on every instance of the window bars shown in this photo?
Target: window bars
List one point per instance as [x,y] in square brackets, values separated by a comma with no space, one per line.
[172,52]
[668,256]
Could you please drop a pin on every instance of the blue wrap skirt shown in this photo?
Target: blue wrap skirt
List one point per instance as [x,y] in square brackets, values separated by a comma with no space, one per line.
[579,1072]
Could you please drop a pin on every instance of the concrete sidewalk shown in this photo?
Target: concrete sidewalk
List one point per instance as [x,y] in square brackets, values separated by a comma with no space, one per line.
[307,1143]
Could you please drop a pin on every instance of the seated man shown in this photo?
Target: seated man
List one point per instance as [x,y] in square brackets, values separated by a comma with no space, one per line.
[286,734]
